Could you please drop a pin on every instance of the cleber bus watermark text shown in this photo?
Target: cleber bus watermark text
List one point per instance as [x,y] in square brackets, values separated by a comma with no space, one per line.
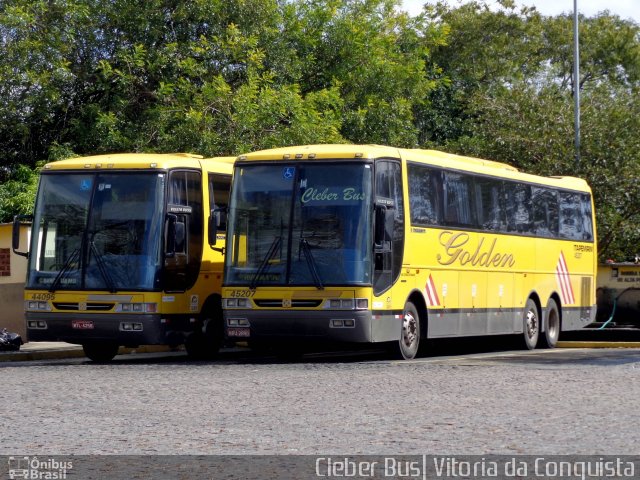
[430,467]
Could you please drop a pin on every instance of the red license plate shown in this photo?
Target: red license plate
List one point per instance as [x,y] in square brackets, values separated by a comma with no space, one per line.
[82,324]
[238,332]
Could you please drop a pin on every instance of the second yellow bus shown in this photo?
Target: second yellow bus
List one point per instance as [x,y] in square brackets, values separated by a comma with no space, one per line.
[364,243]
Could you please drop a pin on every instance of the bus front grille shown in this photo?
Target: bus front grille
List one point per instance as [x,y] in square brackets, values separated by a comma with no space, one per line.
[89,307]
[279,303]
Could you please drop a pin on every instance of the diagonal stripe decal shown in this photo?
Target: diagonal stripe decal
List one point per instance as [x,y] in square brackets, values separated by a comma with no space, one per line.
[431,293]
[564,281]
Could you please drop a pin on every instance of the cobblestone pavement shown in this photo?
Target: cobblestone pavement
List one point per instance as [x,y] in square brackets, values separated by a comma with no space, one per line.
[542,402]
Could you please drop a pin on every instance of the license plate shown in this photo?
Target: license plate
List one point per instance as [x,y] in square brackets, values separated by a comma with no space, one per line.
[238,332]
[82,324]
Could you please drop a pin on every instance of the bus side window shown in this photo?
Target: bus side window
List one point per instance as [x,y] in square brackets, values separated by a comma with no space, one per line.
[519,209]
[545,211]
[425,195]
[219,186]
[457,200]
[587,217]
[575,216]
[490,206]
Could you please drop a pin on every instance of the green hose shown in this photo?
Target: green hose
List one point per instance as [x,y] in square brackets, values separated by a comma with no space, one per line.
[615,303]
[613,312]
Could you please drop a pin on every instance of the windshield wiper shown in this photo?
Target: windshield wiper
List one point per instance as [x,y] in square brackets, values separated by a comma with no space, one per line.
[275,245]
[311,263]
[101,267]
[75,255]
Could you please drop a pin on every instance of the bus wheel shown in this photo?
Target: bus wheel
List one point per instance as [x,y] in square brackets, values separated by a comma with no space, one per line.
[100,352]
[410,333]
[204,342]
[551,333]
[531,325]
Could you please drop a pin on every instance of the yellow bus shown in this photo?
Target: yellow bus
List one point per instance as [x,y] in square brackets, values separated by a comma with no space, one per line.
[365,243]
[127,250]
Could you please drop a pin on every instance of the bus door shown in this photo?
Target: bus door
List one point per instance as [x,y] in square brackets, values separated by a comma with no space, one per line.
[389,229]
[183,230]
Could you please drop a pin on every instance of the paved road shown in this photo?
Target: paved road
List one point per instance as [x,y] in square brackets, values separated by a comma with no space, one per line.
[564,401]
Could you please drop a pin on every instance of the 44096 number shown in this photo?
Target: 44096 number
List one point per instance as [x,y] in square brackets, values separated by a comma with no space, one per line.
[43,297]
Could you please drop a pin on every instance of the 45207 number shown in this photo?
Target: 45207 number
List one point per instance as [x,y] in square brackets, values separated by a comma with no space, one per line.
[241,294]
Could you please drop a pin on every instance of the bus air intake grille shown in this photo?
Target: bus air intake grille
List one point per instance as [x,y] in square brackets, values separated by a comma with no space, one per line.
[279,303]
[90,307]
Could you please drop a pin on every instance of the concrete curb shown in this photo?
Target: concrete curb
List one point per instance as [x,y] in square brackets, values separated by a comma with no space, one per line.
[72,351]
[75,351]
[604,344]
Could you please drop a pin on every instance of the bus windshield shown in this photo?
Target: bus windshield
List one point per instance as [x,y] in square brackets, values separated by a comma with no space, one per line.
[308,224]
[97,231]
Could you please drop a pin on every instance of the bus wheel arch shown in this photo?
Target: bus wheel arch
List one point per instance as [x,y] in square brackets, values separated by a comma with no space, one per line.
[211,315]
[419,302]
[208,334]
[412,326]
[552,323]
[531,320]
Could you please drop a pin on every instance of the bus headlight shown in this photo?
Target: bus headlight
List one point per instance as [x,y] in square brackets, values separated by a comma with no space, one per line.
[137,307]
[131,327]
[237,322]
[37,324]
[37,306]
[347,304]
[236,303]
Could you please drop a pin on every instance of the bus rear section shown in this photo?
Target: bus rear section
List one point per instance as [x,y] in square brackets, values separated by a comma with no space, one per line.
[126,250]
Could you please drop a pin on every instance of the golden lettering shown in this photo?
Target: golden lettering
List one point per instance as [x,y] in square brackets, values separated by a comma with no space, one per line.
[454,246]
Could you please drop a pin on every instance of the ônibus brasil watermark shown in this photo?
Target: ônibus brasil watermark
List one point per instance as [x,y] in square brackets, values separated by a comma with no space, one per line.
[34,468]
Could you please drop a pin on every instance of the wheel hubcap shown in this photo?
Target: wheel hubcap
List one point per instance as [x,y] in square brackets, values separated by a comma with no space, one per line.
[409,329]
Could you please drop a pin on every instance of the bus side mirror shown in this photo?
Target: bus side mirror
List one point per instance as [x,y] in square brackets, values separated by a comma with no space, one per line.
[214,222]
[380,214]
[176,236]
[217,220]
[15,234]
[384,218]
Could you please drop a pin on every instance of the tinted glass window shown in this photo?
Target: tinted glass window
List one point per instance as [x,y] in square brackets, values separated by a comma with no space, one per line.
[388,257]
[489,204]
[446,198]
[518,202]
[545,211]
[575,216]
[458,195]
[219,186]
[185,202]
[425,195]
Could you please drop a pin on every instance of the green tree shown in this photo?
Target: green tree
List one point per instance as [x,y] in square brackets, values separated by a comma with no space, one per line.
[17,193]
[510,98]
[377,56]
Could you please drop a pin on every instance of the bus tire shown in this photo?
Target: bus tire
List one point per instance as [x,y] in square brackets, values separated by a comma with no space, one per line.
[409,342]
[551,333]
[530,325]
[195,343]
[100,352]
[204,343]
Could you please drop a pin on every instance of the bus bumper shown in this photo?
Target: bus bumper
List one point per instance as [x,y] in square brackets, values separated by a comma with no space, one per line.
[313,326]
[126,330]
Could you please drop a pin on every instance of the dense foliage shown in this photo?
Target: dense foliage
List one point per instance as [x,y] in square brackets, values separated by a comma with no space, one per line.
[216,77]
